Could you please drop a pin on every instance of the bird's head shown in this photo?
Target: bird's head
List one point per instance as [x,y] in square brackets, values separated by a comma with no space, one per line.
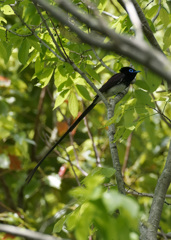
[128,71]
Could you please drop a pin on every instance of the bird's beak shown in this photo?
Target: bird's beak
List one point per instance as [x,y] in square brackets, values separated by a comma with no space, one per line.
[137,71]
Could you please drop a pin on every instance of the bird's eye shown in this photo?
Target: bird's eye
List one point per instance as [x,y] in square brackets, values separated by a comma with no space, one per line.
[131,70]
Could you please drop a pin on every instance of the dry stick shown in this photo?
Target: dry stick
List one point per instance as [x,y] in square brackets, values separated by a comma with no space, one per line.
[69,160]
[128,147]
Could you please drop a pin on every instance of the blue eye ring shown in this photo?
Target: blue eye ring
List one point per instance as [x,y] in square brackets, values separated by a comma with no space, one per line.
[131,70]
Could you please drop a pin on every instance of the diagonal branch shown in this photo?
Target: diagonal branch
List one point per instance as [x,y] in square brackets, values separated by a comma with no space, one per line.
[22,232]
[137,50]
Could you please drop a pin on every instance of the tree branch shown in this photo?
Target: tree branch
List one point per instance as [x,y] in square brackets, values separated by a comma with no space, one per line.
[134,19]
[149,231]
[137,50]
[112,144]
[18,231]
[146,28]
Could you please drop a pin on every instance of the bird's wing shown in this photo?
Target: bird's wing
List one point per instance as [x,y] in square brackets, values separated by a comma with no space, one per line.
[113,81]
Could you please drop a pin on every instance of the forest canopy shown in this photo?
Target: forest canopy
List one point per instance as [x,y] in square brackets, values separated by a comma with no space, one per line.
[110,177]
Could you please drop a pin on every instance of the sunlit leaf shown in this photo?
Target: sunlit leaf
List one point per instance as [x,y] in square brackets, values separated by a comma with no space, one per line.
[61,98]
[73,104]
[58,226]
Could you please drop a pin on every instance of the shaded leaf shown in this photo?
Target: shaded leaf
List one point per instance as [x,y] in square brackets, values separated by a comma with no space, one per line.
[23,52]
[83,91]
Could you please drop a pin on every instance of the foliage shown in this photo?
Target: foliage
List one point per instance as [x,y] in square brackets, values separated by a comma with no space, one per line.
[40,91]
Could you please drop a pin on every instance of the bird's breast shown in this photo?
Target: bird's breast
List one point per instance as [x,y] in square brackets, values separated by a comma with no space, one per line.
[115,90]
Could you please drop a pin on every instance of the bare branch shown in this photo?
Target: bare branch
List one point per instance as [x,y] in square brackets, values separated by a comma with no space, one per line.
[113,147]
[146,28]
[22,232]
[149,231]
[128,147]
[156,16]
[134,19]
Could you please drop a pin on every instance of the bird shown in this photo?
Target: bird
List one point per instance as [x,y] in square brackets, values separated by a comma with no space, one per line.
[115,85]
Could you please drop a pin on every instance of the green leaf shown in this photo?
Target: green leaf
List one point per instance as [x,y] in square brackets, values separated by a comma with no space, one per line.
[129,118]
[114,200]
[7,10]
[23,52]
[4,109]
[143,98]
[164,16]
[73,104]
[9,1]
[61,98]
[72,219]
[39,66]
[58,226]
[30,14]
[45,76]
[142,84]
[105,171]
[65,68]
[152,11]
[167,39]
[3,20]
[2,35]
[83,91]
[119,132]
[92,72]
[32,57]
[102,5]
[153,81]
[3,51]
[34,42]
[59,78]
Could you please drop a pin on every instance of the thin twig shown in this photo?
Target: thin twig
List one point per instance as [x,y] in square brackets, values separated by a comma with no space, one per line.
[157,14]
[69,160]
[128,146]
[92,140]
[49,31]
[103,64]
[34,33]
